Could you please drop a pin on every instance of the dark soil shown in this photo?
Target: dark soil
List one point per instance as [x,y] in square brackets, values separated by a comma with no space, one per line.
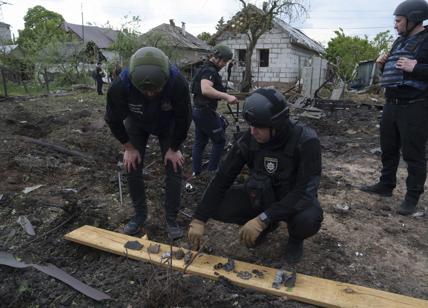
[368,245]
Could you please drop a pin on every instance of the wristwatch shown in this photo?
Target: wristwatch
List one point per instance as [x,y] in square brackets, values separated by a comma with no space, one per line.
[264,218]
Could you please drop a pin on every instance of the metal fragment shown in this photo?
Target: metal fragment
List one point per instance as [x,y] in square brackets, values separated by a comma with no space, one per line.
[218,266]
[188,257]
[290,281]
[165,256]
[153,249]
[278,280]
[257,273]
[134,245]
[229,266]
[179,254]
[245,275]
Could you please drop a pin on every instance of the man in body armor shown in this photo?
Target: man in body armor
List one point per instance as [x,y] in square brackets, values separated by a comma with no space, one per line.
[404,124]
[284,159]
[208,89]
[150,98]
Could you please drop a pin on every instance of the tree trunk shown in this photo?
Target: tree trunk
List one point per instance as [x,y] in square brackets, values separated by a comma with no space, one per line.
[246,84]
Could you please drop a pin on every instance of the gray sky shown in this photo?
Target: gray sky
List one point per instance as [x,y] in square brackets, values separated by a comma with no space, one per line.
[361,17]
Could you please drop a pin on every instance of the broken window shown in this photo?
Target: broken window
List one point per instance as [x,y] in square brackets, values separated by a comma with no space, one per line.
[264,57]
[241,56]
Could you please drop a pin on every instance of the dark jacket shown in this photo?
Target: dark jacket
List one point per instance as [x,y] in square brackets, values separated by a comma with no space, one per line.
[291,162]
[208,71]
[167,113]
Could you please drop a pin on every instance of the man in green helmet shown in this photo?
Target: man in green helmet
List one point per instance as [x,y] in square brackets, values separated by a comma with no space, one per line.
[208,89]
[151,97]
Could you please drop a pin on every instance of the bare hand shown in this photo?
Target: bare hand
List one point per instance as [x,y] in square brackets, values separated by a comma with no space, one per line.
[230,99]
[131,158]
[175,157]
[382,58]
[406,64]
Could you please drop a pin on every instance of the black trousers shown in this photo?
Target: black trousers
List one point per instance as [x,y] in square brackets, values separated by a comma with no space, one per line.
[236,208]
[100,86]
[405,127]
[138,138]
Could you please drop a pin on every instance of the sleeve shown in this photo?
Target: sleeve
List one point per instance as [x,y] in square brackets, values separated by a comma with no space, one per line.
[208,74]
[116,111]
[182,112]
[420,70]
[222,181]
[306,186]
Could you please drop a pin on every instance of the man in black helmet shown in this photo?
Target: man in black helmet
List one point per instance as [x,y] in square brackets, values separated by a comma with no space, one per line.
[208,89]
[284,159]
[150,97]
[404,124]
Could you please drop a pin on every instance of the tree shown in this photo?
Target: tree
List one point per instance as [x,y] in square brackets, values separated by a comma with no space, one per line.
[204,36]
[41,27]
[346,51]
[254,22]
[220,24]
[127,41]
[382,42]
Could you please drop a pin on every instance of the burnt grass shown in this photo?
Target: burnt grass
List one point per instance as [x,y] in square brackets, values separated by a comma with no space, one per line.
[369,245]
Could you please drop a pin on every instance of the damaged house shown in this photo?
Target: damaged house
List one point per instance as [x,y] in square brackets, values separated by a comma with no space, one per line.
[279,56]
[182,48]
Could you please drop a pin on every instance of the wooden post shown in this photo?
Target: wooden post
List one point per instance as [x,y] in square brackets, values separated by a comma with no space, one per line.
[4,83]
[46,81]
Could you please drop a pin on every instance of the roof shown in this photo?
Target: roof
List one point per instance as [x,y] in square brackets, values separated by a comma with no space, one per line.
[4,24]
[102,37]
[297,36]
[174,37]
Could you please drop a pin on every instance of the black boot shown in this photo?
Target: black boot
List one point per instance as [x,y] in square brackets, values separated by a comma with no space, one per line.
[134,225]
[380,189]
[293,251]
[407,207]
[175,232]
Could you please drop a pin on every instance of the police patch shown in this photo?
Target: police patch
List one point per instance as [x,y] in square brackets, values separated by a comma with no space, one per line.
[271,164]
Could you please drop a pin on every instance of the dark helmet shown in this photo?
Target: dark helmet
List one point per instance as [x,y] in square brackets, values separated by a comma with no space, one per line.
[414,10]
[266,108]
[222,52]
[149,69]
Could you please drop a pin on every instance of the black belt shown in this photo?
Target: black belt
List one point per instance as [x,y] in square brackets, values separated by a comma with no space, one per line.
[402,101]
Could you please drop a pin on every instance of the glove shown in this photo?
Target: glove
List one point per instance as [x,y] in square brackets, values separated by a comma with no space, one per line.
[196,231]
[249,233]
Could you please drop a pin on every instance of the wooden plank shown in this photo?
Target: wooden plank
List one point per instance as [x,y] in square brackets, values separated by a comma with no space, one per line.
[308,289]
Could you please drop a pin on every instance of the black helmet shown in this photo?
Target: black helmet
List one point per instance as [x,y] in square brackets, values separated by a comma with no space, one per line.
[266,108]
[222,52]
[414,10]
[149,69]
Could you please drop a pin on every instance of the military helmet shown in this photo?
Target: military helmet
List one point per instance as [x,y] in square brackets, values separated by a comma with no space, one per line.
[149,69]
[266,108]
[413,10]
[222,52]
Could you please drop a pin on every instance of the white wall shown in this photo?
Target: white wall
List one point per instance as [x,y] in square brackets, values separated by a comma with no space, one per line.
[285,59]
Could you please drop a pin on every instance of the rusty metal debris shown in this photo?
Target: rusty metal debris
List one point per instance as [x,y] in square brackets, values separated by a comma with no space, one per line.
[257,273]
[179,254]
[228,267]
[188,257]
[133,245]
[290,281]
[281,277]
[244,275]
[153,249]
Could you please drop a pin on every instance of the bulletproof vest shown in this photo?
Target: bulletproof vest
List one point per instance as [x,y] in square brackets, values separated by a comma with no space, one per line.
[403,47]
[272,171]
[154,115]
[198,98]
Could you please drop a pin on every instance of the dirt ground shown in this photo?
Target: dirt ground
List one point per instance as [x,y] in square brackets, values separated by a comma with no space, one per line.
[368,245]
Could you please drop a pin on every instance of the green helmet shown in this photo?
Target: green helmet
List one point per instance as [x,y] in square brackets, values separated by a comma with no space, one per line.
[222,52]
[414,10]
[149,69]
